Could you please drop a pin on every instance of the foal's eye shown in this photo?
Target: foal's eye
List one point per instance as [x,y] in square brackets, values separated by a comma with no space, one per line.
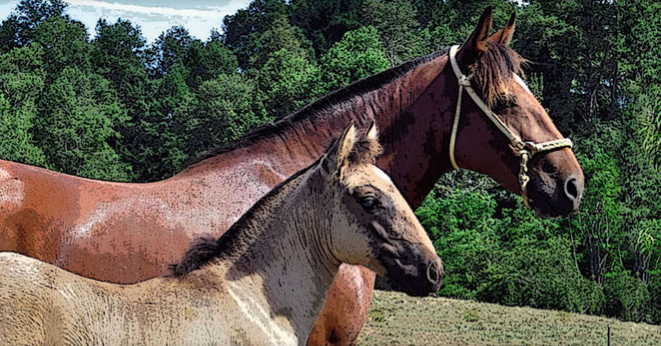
[369,203]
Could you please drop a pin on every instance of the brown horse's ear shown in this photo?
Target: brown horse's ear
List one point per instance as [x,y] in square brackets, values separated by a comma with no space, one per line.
[504,35]
[476,44]
[338,154]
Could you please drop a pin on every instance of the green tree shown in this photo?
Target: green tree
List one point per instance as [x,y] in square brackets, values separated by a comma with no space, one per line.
[117,54]
[76,127]
[209,60]
[281,35]
[396,23]
[169,49]
[22,82]
[638,69]
[358,55]
[326,21]
[22,24]
[168,127]
[65,44]
[228,107]
[289,81]
[240,29]
[8,34]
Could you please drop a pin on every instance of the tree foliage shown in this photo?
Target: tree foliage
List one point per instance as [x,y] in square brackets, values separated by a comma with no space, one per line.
[358,55]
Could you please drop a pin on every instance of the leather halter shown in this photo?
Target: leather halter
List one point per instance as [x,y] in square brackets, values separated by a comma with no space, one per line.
[526,150]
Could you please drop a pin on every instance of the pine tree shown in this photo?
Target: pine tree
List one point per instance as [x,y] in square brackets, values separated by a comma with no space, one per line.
[358,55]
[22,81]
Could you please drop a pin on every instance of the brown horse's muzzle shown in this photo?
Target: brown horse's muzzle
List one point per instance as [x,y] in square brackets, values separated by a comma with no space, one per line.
[556,184]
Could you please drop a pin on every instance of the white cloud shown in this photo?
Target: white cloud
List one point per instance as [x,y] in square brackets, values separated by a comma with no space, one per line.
[210,13]
[153,20]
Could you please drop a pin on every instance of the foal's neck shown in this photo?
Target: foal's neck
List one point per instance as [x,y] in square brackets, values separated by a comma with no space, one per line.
[287,264]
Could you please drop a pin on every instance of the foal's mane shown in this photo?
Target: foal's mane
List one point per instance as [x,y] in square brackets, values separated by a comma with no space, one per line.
[240,235]
[243,233]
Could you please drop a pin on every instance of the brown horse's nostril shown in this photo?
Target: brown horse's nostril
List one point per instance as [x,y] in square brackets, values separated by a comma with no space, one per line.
[572,189]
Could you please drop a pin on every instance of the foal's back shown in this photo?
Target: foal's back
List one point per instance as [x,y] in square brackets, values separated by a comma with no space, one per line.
[45,305]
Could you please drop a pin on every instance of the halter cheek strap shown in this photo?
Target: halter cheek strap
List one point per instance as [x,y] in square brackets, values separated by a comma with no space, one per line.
[526,150]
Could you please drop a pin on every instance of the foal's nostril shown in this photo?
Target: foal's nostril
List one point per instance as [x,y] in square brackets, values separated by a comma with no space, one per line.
[571,188]
[434,274]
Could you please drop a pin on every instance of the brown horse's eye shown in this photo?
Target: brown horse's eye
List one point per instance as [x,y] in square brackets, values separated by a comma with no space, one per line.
[369,203]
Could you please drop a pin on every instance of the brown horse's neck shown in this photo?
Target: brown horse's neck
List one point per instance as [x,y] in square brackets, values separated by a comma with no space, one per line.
[410,110]
[415,141]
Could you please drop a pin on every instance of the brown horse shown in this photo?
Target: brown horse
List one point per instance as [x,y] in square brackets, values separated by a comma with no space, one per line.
[263,283]
[130,232]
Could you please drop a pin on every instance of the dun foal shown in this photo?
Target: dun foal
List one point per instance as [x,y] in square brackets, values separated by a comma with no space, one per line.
[262,283]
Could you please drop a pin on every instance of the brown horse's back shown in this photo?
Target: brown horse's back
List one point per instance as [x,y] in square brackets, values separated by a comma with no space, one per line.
[118,232]
[35,206]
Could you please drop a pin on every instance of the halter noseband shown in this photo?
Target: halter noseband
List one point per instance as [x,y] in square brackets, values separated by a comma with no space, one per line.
[526,149]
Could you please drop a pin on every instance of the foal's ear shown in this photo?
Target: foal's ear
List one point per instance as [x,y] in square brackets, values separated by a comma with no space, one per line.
[476,44]
[504,36]
[372,133]
[338,154]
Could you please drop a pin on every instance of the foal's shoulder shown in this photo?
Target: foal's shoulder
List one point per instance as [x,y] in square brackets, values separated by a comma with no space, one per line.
[14,259]
[20,268]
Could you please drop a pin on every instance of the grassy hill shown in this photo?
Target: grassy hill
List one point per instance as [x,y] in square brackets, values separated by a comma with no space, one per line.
[397,319]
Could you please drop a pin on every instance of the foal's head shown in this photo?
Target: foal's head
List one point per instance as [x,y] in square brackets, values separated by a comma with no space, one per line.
[371,223]
[556,180]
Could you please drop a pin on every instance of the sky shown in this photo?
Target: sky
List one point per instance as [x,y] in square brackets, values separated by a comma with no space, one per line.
[153,16]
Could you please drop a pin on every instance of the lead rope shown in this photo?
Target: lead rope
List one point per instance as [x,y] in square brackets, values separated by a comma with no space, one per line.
[463,81]
[526,149]
[523,176]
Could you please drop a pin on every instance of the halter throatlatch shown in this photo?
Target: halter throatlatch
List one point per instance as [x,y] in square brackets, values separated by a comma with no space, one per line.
[526,150]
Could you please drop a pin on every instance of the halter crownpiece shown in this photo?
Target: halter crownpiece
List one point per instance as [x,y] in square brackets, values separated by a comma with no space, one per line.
[526,149]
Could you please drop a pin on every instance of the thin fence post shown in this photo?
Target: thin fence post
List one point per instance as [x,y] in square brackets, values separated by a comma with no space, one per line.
[609,335]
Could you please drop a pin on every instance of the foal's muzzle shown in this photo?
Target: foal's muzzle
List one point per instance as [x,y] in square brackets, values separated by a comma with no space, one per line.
[413,271]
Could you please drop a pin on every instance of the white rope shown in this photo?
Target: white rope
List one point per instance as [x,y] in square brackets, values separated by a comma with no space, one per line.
[455,125]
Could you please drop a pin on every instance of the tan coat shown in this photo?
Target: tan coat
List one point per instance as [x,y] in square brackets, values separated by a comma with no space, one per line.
[263,283]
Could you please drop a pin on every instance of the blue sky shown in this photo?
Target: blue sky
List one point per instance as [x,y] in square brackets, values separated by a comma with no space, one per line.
[154,16]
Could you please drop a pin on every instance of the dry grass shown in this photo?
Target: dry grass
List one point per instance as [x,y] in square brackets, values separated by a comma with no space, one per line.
[396,319]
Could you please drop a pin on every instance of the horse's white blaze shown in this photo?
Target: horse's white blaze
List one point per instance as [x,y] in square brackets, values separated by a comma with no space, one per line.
[522,83]
[260,317]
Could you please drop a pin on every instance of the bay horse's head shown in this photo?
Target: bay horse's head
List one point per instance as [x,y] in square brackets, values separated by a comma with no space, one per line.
[500,128]
[372,224]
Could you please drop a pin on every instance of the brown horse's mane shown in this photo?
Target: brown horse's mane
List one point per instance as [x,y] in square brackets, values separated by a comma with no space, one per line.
[492,73]
[321,107]
[243,233]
